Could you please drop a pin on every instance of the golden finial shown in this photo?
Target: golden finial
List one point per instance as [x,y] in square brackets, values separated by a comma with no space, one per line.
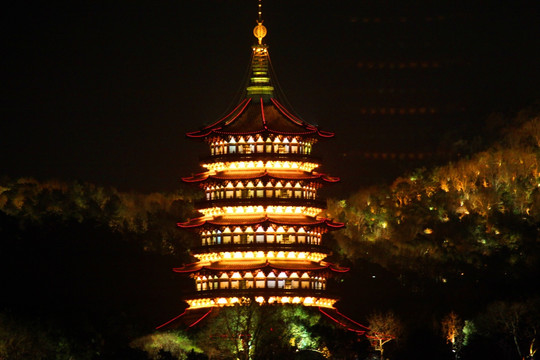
[260,31]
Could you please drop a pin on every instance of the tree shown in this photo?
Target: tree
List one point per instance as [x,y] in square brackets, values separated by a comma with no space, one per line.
[383,329]
[515,323]
[452,329]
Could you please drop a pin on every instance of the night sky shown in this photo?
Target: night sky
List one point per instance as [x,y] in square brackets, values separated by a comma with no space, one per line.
[104,91]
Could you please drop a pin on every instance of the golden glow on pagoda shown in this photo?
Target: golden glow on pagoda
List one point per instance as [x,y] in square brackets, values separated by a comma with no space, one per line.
[230,301]
[260,234]
[239,166]
[259,31]
[261,210]
[261,255]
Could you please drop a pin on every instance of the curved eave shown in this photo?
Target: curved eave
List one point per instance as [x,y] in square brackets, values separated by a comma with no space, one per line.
[233,115]
[286,266]
[199,222]
[207,176]
[220,127]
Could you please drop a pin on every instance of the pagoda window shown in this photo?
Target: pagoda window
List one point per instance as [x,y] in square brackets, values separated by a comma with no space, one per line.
[216,282]
[218,237]
[226,239]
[302,239]
[305,281]
[317,284]
[204,283]
[270,238]
[260,148]
[282,280]
[259,238]
[248,278]
[229,194]
[295,282]
[260,280]
[271,280]
[235,280]
[269,193]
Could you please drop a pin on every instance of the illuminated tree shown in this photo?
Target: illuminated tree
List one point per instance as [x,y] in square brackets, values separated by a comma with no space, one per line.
[383,329]
[452,329]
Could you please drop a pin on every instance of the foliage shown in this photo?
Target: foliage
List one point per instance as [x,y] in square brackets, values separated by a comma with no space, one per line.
[384,327]
[453,329]
[464,215]
[150,216]
[252,331]
[175,343]
[514,324]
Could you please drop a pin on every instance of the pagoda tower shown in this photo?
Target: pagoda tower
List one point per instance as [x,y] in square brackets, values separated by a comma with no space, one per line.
[260,226]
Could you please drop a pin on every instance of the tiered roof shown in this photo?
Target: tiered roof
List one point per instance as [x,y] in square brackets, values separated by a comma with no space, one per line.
[256,116]
[201,177]
[260,265]
[262,220]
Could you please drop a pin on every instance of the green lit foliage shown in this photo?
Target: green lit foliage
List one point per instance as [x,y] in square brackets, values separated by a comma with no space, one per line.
[150,216]
[452,217]
[251,331]
[176,343]
[31,340]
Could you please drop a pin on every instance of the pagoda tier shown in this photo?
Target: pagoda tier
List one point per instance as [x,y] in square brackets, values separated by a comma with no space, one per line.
[280,281]
[260,226]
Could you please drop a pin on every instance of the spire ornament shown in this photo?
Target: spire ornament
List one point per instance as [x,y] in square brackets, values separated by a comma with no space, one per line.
[260,31]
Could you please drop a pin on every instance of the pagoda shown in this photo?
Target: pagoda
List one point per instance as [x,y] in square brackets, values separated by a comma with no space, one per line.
[260,226]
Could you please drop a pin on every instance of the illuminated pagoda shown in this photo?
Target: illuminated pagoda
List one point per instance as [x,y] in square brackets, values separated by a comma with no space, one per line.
[260,227]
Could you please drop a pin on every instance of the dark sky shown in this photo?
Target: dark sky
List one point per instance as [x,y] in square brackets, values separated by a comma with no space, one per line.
[103,91]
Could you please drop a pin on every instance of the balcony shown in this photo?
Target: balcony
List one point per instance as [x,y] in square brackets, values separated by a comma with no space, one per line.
[261,201]
[260,157]
[255,292]
[276,247]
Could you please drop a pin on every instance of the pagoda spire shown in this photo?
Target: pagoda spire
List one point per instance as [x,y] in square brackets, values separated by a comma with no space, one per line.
[260,85]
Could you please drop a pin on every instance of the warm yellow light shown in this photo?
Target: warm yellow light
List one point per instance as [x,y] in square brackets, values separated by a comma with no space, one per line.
[239,166]
[248,255]
[223,301]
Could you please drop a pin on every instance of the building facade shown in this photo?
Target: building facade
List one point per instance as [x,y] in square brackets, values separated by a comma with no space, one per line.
[260,226]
